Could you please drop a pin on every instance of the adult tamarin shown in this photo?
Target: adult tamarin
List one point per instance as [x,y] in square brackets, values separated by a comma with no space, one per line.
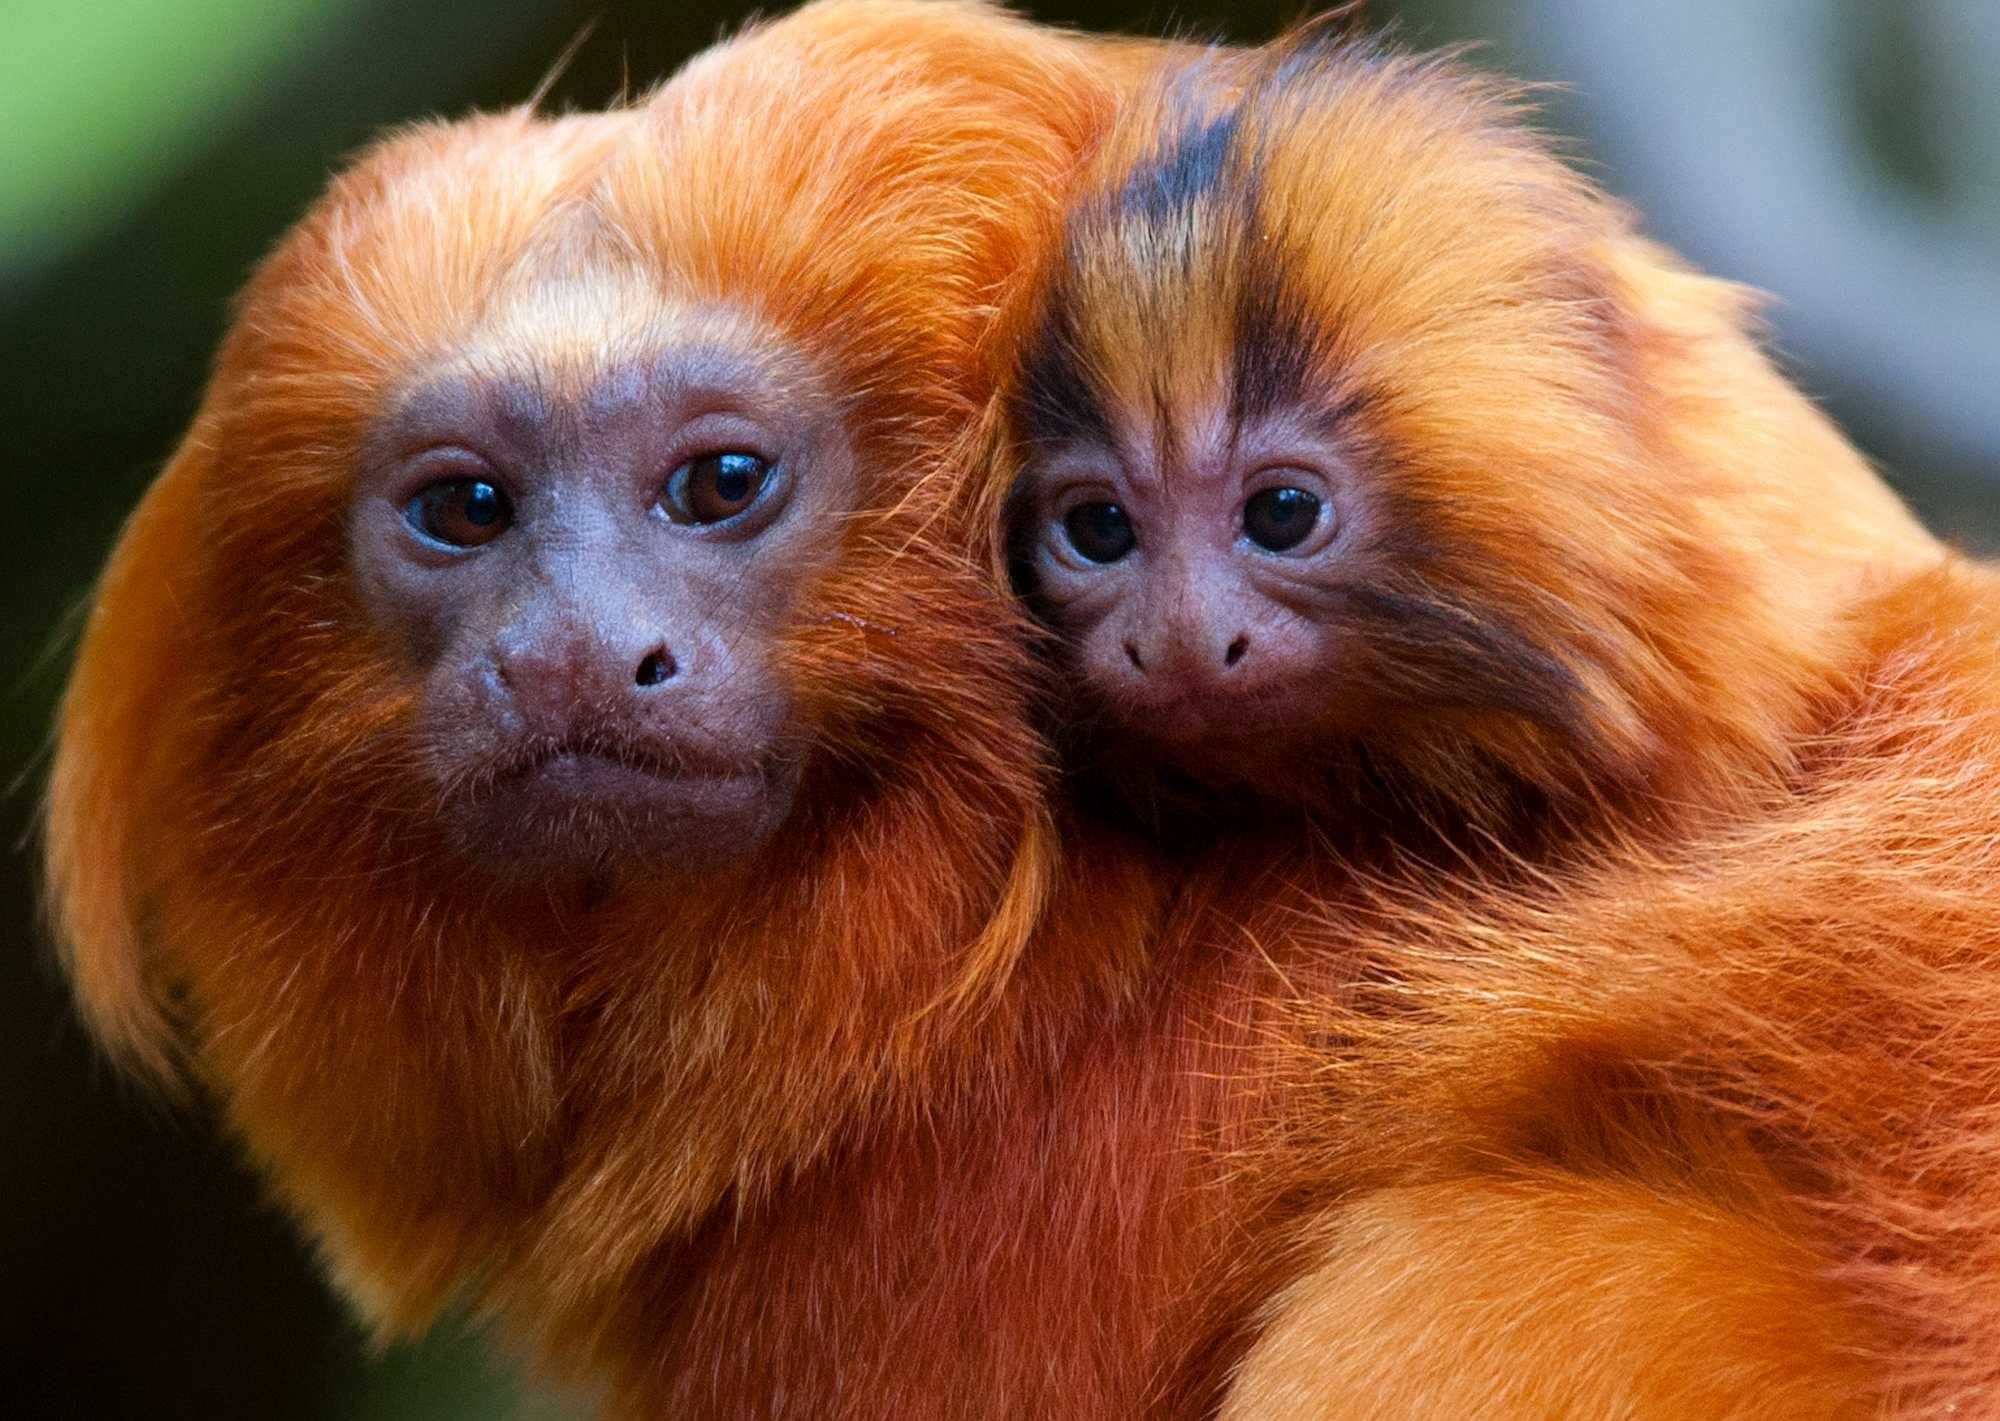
[542,755]
[1366,466]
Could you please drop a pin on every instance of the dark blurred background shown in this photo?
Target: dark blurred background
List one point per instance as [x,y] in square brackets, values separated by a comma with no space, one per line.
[1842,154]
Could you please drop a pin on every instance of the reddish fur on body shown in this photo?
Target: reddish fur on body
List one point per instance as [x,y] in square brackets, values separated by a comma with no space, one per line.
[1548,1294]
[1790,1015]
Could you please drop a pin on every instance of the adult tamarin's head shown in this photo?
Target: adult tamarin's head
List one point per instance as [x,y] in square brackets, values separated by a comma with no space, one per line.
[550,644]
[1358,439]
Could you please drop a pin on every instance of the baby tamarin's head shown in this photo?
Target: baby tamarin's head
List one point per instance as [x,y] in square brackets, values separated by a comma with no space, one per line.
[1357,439]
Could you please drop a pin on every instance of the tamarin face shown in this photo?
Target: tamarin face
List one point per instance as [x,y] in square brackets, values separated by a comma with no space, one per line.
[1196,569]
[586,563]
[580,513]
[564,480]
[1238,503]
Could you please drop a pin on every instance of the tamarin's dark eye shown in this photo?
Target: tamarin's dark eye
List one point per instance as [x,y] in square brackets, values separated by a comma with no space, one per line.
[464,513]
[715,487]
[1280,518]
[1100,531]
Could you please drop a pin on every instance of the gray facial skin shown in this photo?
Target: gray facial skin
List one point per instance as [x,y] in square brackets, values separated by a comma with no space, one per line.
[587,577]
[1197,612]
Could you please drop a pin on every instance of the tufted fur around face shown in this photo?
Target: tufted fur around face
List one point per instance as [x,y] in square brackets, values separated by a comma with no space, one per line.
[456,1072]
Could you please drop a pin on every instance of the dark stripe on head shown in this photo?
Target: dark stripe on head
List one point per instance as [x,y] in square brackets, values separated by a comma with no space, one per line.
[1058,402]
[1183,172]
[1277,339]
[1281,341]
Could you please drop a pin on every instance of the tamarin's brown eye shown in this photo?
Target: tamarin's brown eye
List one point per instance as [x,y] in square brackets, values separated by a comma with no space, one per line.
[1100,531]
[715,487]
[1280,518]
[464,513]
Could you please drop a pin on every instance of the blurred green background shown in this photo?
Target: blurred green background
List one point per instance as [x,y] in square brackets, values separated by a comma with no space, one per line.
[1842,154]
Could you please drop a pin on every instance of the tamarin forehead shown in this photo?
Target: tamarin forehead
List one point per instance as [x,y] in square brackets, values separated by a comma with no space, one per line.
[1170,298]
[566,303]
[1169,305]
[534,381]
[577,315]
[1303,228]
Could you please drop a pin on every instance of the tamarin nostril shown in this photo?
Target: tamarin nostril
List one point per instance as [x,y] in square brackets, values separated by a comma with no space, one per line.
[657,667]
[1235,652]
[1132,653]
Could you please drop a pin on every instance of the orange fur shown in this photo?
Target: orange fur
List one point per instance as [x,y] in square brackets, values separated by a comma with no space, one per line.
[1790,1010]
[954,1100]
[1550,1294]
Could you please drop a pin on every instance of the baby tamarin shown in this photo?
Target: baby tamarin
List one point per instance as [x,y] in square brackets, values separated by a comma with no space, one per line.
[1366,464]
[1364,446]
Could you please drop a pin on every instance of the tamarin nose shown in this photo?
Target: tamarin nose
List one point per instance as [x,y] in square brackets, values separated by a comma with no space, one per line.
[1179,657]
[656,669]
[553,670]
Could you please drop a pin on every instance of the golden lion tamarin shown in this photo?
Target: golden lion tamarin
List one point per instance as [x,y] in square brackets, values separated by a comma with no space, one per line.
[1374,477]
[541,755]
